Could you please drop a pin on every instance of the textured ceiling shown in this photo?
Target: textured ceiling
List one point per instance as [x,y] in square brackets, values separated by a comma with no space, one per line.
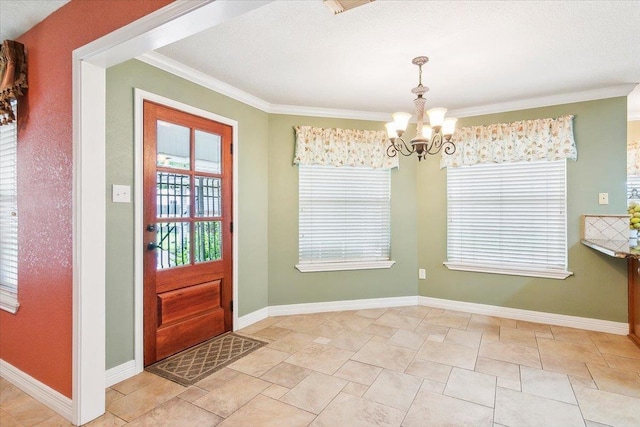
[298,53]
[17,17]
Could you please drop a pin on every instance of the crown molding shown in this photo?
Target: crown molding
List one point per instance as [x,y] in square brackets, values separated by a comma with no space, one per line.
[169,65]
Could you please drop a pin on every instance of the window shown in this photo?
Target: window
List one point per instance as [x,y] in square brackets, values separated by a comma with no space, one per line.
[8,218]
[345,218]
[508,218]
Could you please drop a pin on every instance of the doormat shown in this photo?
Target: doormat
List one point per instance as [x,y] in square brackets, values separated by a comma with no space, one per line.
[195,363]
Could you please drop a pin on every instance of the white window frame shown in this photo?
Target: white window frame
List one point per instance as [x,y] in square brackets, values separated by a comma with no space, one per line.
[533,192]
[345,185]
[9,216]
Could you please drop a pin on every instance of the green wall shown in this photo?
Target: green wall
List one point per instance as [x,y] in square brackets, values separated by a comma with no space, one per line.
[286,284]
[598,287]
[251,228]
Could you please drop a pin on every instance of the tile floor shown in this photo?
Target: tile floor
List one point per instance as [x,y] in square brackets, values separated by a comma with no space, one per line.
[411,366]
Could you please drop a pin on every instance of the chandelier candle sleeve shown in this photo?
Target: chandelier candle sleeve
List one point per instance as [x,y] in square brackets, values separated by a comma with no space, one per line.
[429,139]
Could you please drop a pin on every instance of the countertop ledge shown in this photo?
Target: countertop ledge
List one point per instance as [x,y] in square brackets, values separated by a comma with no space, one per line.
[613,248]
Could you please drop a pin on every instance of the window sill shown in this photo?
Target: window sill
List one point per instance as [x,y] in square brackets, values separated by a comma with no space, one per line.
[9,302]
[343,266]
[547,274]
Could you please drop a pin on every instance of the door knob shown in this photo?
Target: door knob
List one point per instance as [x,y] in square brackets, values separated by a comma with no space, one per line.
[151,246]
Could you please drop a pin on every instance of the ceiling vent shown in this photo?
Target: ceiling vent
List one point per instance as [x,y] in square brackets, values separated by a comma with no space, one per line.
[339,6]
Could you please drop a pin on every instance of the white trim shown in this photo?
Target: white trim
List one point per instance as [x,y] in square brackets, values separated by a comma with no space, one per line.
[251,318]
[139,96]
[357,304]
[171,66]
[9,301]
[587,323]
[343,266]
[120,373]
[547,274]
[38,390]
[164,26]
[633,116]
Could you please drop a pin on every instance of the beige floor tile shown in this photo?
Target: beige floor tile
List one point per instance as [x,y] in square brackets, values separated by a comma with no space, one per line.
[615,381]
[232,395]
[429,370]
[582,382]
[510,384]
[407,339]
[217,379]
[436,338]
[545,335]
[518,336]
[361,373]
[394,389]
[594,424]
[563,365]
[176,412]
[551,385]
[617,345]
[371,313]
[622,363]
[266,412]
[314,392]
[292,342]
[327,331]
[106,420]
[417,311]
[111,395]
[608,408]
[433,386]
[385,356]
[349,321]
[433,409]
[301,322]
[448,354]
[264,323]
[55,421]
[275,391]
[26,410]
[351,340]
[355,389]
[447,319]
[319,357]
[144,399]
[9,392]
[359,412]
[514,408]
[136,382]
[192,393]
[379,330]
[489,332]
[562,333]
[286,374]
[471,386]
[512,353]
[587,353]
[259,362]
[532,326]
[492,320]
[6,420]
[464,338]
[510,371]
[393,320]
[431,329]
[272,333]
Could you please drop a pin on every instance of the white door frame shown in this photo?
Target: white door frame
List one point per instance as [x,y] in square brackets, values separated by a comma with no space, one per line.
[139,97]
[175,21]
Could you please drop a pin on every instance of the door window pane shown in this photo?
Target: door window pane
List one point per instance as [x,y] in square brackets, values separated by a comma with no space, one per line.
[208,152]
[173,145]
[208,196]
[208,241]
[172,195]
[172,239]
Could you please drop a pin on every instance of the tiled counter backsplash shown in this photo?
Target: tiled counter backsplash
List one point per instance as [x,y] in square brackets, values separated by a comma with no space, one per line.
[605,227]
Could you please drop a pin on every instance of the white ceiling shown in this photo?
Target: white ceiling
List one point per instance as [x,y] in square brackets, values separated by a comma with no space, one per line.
[296,53]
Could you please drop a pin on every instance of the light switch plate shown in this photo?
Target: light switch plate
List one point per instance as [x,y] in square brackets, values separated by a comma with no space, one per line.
[603,198]
[422,273]
[121,194]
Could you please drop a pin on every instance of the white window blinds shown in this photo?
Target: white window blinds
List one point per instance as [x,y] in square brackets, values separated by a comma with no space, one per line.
[508,218]
[8,217]
[345,217]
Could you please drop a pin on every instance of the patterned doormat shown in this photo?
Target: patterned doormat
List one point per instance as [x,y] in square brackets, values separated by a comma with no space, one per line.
[195,363]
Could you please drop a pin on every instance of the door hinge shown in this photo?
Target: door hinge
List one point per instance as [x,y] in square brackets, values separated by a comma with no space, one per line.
[231,306]
[231,226]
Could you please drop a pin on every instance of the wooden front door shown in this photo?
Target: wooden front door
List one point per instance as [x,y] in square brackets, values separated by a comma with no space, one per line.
[187,235]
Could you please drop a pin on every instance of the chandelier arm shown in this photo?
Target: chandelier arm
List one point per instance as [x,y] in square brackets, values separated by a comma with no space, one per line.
[398,145]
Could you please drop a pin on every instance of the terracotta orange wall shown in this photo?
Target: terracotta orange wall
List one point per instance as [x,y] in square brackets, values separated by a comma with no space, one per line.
[38,339]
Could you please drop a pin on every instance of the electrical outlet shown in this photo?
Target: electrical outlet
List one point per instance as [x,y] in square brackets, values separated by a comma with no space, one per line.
[121,194]
[603,198]
[422,273]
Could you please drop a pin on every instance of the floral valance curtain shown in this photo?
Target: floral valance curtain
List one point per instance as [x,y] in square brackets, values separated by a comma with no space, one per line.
[633,158]
[342,147]
[13,77]
[526,140]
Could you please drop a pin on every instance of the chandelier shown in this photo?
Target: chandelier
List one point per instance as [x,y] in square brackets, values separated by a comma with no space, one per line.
[429,139]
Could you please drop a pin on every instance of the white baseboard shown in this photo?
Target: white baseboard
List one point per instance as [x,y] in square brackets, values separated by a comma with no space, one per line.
[120,373]
[36,389]
[251,318]
[358,304]
[589,324]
